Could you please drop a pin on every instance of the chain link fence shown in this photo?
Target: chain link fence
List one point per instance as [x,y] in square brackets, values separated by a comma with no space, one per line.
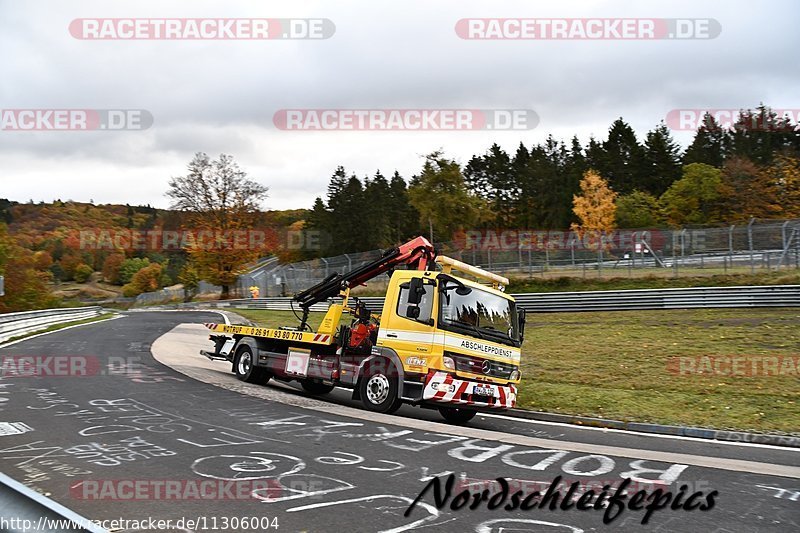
[757,246]
[748,248]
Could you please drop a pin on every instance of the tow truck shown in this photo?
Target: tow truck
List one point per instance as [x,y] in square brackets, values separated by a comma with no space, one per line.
[441,341]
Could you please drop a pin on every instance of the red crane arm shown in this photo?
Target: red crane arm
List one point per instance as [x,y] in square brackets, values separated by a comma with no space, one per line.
[418,253]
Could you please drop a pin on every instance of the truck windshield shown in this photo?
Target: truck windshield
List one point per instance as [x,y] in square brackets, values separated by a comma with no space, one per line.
[490,316]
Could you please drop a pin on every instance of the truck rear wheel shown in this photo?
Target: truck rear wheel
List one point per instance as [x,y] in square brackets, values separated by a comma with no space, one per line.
[315,387]
[379,388]
[457,415]
[245,368]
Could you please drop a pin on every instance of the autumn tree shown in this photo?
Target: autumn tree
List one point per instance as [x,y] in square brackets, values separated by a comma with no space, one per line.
[25,286]
[217,196]
[637,210]
[190,280]
[693,199]
[442,199]
[148,279]
[747,191]
[784,173]
[111,268]
[595,205]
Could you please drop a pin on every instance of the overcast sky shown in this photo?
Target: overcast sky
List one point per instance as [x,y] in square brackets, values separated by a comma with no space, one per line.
[220,96]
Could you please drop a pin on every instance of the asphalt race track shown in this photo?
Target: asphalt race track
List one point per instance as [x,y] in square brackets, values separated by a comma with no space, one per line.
[122,419]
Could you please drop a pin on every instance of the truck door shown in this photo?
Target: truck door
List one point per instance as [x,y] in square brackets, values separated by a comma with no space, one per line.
[411,327]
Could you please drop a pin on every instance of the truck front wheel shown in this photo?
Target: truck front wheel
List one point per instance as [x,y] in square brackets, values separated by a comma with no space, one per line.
[379,389]
[245,367]
[457,415]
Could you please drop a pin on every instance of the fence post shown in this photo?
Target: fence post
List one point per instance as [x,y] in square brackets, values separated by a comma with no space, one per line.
[326,265]
[750,244]
[600,261]
[675,253]
[785,244]
[530,262]
[730,243]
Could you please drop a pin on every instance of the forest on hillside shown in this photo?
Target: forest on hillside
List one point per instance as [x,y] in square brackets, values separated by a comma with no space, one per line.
[724,176]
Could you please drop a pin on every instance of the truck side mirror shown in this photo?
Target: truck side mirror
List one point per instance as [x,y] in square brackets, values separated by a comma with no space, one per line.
[412,312]
[521,322]
[415,291]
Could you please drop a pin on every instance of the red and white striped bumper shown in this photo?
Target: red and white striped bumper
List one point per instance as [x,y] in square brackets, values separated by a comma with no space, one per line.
[443,387]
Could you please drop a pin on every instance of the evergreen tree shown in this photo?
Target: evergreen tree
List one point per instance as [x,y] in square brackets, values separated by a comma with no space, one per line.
[492,177]
[403,217]
[710,145]
[622,161]
[760,134]
[525,208]
[661,161]
[377,197]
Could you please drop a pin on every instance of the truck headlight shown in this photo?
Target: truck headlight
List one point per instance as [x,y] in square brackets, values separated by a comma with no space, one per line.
[449,363]
[514,375]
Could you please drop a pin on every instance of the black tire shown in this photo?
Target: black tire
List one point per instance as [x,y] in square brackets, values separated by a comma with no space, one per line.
[457,415]
[315,387]
[245,369]
[379,387]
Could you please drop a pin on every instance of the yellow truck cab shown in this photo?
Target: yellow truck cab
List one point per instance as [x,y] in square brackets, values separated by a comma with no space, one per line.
[441,341]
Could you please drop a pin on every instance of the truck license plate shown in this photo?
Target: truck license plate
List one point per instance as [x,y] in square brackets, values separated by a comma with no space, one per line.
[483,390]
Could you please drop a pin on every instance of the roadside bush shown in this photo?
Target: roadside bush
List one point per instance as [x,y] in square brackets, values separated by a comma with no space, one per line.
[111,268]
[83,272]
[147,279]
[129,267]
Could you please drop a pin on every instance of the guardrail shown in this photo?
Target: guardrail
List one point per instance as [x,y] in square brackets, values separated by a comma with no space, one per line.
[562,302]
[16,324]
[23,509]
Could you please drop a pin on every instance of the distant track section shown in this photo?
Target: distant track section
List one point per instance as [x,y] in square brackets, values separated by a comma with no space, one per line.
[568,302]
[17,324]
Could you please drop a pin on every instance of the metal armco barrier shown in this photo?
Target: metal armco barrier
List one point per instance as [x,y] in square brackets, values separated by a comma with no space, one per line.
[562,302]
[23,510]
[16,324]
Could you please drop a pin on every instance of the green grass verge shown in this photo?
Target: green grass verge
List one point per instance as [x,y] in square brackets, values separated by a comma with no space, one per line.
[56,327]
[615,365]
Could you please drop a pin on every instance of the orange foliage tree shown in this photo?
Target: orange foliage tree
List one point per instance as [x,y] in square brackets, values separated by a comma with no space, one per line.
[219,199]
[595,206]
